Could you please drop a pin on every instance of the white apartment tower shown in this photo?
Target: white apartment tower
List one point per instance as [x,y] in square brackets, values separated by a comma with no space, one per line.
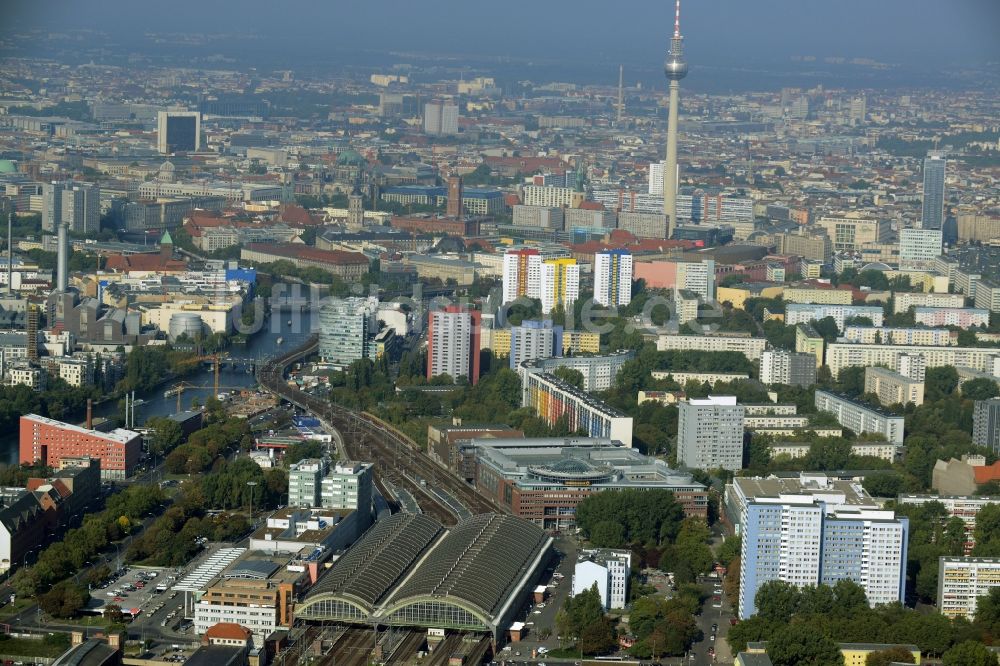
[710,433]
[613,277]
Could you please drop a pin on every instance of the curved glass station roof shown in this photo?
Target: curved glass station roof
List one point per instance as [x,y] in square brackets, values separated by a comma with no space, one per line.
[408,570]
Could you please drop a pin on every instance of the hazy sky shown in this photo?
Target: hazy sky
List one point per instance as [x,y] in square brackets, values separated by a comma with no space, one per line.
[716,31]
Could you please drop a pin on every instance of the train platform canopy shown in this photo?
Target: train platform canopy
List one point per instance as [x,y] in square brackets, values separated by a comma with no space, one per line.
[408,570]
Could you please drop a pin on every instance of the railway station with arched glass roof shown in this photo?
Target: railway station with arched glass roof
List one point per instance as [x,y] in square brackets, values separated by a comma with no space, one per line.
[409,571]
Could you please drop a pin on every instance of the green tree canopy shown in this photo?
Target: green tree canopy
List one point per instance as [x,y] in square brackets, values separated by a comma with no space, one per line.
[969,653]
[802,645]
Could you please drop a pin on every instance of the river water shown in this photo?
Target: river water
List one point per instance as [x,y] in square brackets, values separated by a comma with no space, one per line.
[260,346]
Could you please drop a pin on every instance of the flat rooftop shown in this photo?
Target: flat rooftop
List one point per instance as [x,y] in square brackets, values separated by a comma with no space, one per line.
[812,485]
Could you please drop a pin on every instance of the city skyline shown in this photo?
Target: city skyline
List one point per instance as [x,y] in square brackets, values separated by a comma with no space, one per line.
[892,31]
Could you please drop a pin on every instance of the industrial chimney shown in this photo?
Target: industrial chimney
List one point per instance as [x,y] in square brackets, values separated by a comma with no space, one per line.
[62,264]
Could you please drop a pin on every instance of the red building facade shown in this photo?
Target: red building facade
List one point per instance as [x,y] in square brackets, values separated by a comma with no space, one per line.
[49,441]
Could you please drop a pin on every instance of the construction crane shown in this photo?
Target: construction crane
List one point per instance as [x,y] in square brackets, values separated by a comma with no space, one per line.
[216,361]
[179,388]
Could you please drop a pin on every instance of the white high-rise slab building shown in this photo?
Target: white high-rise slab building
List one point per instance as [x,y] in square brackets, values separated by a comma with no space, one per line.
[553,281]
[919,247]
[613,277]
[801,540]
[710,433]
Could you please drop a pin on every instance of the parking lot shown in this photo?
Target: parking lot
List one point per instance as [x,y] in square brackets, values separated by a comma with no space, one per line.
[540,617]
[133,589]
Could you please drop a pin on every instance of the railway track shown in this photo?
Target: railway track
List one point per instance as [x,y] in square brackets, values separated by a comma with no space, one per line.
[396,457]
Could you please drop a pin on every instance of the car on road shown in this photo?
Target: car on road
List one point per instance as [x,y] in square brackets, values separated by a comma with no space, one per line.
[717,604]
[712,637]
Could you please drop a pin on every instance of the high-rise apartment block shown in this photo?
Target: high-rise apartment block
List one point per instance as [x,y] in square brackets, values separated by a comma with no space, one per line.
[347,326]
[441,118]
[710,433]
[348,487]
[853,232]
[932,212]
[778,366]
[803,541]
[533,340]
[560,284]
[613,277]
[541,217]
[553,399]
[178,132]
[694,276]
[859,417]
[77,205]
[551,197]
[986,424]
[453,343]
[553,281]
[522,274]
[304,479]
[962,581]
[918,248]
[892,388]
[804,313]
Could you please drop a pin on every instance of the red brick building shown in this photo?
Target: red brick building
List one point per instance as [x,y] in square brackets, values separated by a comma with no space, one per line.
[343,264]
[437,225]
[49,441]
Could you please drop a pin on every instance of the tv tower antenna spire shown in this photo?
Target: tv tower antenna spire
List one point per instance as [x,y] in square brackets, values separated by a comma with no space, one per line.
[675,68]
[621,92]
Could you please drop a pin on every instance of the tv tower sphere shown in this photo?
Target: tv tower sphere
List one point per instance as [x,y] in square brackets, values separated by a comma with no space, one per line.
[675,67]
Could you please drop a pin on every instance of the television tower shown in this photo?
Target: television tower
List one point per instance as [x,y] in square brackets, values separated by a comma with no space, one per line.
[675,67]
[621,93]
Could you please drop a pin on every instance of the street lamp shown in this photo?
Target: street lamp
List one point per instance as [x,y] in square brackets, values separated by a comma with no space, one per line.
[251,484]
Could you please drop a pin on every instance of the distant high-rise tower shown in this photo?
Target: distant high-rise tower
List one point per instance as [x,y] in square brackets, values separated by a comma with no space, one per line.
[675,67]
[178,131]
[454,196]
[355,210]
[621,92]
[441,118]
[932,216]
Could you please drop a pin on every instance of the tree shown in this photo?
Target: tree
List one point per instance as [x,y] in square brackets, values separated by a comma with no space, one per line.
[802,645]
[939,383]
[827,328]
[896,654]
[969,653]
[850,597]
[980,389]
[113,613]
[777,600]
[988,612]
[729,550]
[64,600]
[570,376]
[167,435]
[608,534]
[883,484]
[598,637]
